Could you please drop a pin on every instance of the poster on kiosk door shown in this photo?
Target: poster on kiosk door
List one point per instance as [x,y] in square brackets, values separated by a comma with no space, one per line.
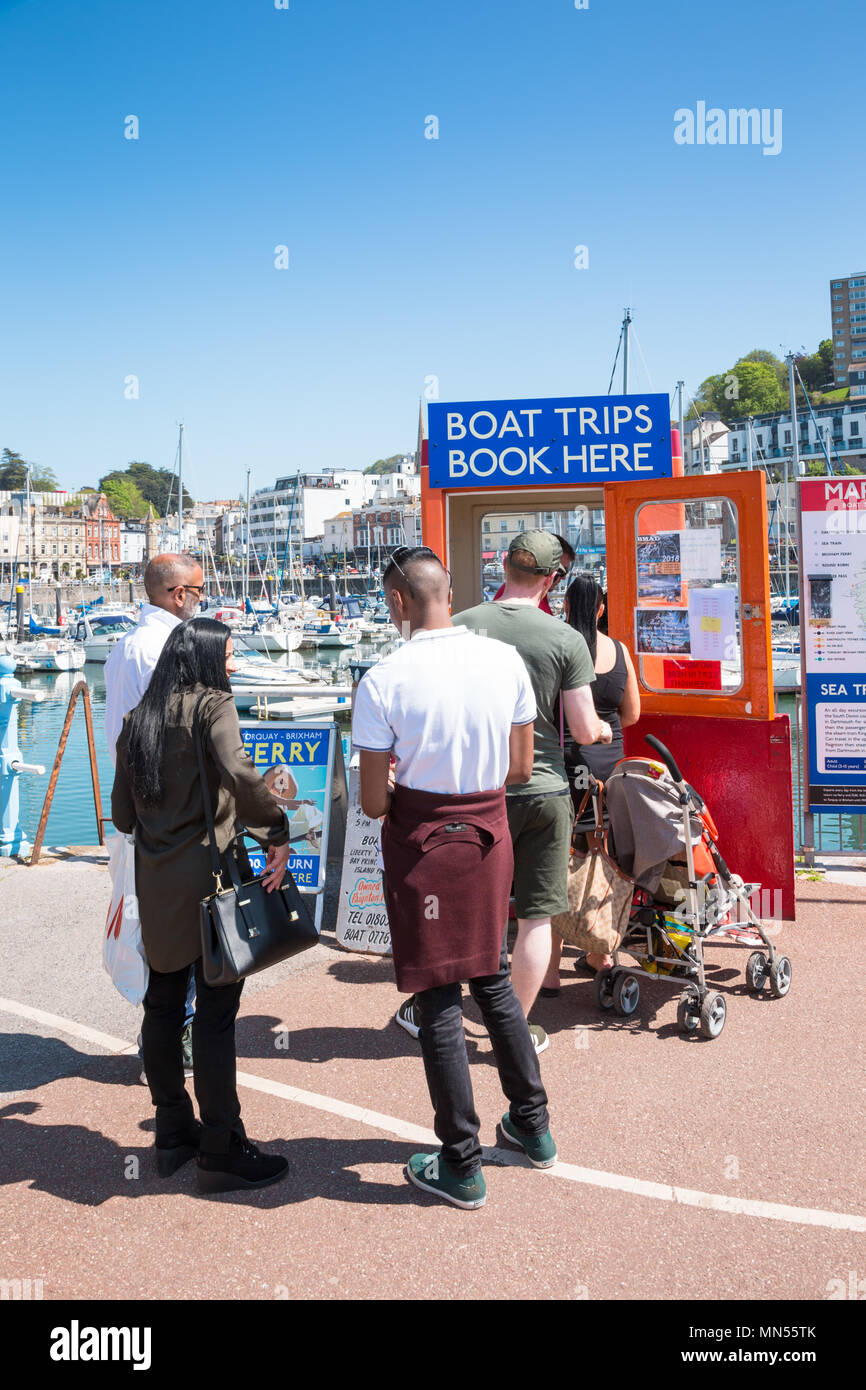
[833,629]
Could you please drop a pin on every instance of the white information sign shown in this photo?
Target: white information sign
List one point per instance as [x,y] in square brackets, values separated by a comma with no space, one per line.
[701,552]
[712,624]
[362,921]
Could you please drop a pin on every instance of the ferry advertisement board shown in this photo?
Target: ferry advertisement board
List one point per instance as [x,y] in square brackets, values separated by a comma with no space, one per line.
[833,627]
[558,441]
[297,761]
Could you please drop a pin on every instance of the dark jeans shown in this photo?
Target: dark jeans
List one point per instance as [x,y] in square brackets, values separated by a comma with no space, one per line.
[213,1046]
[443,1045]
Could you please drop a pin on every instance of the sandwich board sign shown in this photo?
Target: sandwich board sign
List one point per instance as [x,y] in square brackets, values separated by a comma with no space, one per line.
[362,919]
[297,763]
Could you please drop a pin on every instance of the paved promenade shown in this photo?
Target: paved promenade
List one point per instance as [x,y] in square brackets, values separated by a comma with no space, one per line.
[689,1169]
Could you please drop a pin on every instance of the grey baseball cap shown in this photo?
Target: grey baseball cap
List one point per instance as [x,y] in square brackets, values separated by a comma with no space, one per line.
[545,549]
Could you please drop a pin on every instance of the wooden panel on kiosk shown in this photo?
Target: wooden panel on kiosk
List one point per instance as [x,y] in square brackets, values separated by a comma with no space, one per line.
[747,492]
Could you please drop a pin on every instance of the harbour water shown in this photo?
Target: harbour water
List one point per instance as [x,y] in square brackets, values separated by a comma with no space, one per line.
[73,821]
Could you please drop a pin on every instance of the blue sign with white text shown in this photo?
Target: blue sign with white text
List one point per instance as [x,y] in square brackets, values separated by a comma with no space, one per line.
[560,441]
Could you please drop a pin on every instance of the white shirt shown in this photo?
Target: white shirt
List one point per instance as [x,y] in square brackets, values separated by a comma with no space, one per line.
[129,668]
[444,703]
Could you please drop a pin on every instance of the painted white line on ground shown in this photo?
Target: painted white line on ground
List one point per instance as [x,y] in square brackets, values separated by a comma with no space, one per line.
[68,1026]
[402,1129]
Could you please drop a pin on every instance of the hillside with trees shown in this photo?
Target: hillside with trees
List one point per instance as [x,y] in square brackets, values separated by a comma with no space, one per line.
[757,384]
[129,491]
[388,465]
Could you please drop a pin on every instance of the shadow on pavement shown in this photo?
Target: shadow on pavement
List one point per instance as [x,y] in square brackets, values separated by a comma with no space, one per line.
[28,1060]
[259,1035]
[85,1167]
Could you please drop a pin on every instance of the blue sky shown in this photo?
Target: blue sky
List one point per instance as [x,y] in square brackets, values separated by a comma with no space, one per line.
[409,257]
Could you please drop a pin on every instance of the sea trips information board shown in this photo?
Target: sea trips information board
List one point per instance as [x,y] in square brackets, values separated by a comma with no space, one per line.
[546,442]
[833,627]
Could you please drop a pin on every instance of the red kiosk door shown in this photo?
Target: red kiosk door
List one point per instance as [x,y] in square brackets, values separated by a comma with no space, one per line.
[689,595]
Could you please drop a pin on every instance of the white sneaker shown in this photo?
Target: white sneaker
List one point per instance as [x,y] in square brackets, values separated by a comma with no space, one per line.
[540,1040]
[407,1017]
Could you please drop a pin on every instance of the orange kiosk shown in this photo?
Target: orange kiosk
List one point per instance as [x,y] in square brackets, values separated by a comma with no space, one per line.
[687,571]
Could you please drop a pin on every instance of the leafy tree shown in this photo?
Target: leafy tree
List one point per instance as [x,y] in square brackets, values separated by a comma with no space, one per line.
[125,499]
[154,484]
[750,387]
[13,474]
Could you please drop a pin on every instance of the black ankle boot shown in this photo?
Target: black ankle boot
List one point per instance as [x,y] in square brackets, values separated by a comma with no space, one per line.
[170,1157]
[243,1166]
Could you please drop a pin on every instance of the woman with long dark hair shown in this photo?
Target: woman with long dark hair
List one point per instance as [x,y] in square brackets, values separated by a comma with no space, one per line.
[157,794]
[616,697]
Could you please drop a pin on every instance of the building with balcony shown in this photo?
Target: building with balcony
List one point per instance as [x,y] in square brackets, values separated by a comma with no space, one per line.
[838,428]
[300,505]
[848,318]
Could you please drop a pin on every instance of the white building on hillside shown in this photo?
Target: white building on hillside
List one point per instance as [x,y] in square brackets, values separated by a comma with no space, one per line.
[308,500]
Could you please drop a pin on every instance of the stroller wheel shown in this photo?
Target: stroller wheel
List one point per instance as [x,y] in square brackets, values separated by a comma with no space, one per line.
[626,995]
[780,976]
[713,1013]
[757,971]
[689,1011]
[603,987]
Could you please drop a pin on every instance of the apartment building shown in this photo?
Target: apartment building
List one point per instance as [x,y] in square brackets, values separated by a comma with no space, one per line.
[848,317]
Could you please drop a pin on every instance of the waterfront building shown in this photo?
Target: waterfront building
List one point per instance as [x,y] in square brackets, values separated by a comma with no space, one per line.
[705,444]
[307,499]
[841,426]
[338,535]
[848,316]
[230,541]
[377,528]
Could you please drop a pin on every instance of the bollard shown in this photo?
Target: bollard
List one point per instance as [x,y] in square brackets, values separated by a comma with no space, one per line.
[131,592]
[58,605]
[12,837]
[19,612]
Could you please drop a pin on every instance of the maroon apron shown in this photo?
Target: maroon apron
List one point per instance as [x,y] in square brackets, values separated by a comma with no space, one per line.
[448,870]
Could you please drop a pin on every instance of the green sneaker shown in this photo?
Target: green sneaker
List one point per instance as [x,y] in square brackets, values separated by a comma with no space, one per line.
[431,1173]
[539,1148]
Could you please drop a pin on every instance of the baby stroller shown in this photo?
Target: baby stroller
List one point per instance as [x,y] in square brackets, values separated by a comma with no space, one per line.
[663,836]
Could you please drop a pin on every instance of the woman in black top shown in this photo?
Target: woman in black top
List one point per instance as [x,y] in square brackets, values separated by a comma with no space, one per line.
[616,697]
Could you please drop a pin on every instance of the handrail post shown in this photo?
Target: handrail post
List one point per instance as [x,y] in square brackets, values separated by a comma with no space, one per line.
[80,688]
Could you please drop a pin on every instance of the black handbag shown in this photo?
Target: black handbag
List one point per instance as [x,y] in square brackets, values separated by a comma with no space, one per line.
[244,928]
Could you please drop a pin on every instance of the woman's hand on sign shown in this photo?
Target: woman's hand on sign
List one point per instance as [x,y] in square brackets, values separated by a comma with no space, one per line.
[275,866]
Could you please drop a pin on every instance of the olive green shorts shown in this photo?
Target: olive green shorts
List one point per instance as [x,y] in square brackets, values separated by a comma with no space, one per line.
[541,835]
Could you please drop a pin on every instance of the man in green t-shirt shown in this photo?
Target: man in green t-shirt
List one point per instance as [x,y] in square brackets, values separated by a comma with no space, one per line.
[540,811]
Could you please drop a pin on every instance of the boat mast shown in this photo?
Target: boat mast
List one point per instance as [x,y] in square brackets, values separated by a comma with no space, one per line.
[625,323]
[180,491]
[789,358]
[246,571]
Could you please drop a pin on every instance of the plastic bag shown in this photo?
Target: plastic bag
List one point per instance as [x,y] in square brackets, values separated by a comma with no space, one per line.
[122,947]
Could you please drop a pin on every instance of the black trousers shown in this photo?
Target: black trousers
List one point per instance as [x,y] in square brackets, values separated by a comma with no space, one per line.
[213,1051]
[443,1046]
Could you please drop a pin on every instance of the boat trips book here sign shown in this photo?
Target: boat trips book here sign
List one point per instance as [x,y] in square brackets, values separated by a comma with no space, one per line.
[562,440]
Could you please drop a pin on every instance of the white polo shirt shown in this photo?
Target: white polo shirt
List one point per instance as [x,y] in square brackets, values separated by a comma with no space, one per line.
[444,704]
[129,668]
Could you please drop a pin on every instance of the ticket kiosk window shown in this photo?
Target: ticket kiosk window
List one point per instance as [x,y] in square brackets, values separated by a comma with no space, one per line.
[687,619]
[582,526]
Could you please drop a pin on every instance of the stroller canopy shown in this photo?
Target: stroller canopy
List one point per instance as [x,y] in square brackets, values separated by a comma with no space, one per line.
[646,819]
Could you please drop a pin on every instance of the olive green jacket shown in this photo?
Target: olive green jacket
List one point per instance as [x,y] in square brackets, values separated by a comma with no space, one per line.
[172,858]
